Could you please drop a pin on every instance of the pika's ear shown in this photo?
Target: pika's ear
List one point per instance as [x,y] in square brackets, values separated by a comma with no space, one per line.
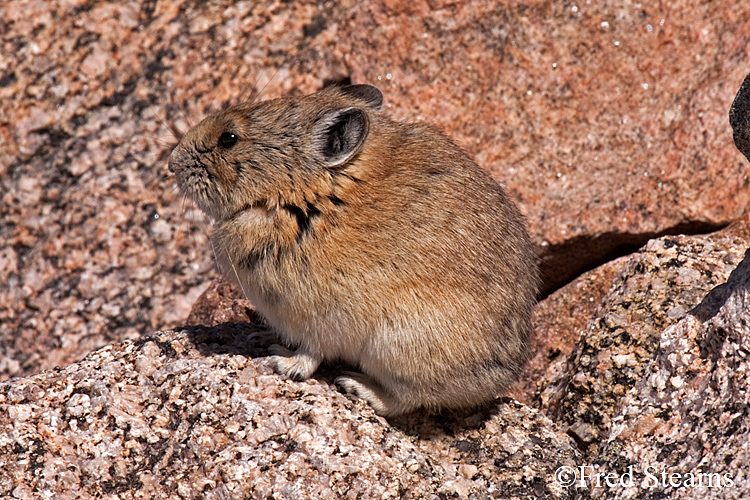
[371,95]
[339,134]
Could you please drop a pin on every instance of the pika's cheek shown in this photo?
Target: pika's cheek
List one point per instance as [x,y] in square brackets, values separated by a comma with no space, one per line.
[225,174]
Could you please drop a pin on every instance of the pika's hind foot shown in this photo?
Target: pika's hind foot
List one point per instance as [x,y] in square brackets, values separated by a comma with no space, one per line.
[296,365]
[364,387]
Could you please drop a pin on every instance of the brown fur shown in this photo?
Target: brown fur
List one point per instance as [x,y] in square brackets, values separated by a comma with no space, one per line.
[378,243]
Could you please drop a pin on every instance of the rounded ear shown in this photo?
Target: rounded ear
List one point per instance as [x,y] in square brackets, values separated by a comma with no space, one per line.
[371,95]
[339,134]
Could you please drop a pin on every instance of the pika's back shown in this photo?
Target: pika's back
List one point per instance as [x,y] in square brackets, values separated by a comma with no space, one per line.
[368,240]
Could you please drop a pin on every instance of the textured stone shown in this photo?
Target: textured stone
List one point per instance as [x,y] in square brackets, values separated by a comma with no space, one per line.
[223,303]
[195,414]
[96,244]
[689,415]
[559,320]
[657,287]
[539,93]
[668,390]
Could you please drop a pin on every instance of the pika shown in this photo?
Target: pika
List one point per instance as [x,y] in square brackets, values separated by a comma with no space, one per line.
[369,241]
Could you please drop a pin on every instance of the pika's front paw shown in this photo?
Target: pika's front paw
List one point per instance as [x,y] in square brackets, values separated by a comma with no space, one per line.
[297,365]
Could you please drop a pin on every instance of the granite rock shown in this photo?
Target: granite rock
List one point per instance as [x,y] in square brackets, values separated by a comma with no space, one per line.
[556,333]
[655,288]
[197,414]
[687,419]
[96,245]
[223,303]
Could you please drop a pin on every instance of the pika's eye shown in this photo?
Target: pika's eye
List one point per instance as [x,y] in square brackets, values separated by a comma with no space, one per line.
[227,140]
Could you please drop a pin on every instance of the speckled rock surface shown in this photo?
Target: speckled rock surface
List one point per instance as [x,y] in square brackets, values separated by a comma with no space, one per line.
[688,416]
[223,303]
[556,332]
[658,286]
[96,245]
[607,120]
[193,414]
[196,413]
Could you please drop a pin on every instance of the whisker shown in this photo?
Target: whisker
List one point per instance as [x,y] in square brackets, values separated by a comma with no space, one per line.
[186,117]
[173,129]
[151,155]
[164,142]
[111,138]
[139,147]
[269,81]
[251,94]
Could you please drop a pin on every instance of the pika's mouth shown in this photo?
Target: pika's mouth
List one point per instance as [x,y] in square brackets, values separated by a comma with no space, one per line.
[196,184]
